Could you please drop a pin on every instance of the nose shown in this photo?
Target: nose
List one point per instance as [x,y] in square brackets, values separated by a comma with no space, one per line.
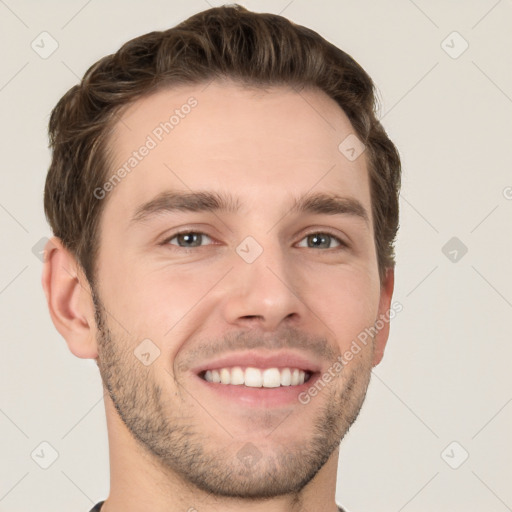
[264,293]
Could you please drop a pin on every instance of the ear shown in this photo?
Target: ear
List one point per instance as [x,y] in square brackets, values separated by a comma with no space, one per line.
[69,299]
[386,293]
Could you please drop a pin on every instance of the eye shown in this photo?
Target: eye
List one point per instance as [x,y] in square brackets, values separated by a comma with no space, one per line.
[321,241]
[188,239]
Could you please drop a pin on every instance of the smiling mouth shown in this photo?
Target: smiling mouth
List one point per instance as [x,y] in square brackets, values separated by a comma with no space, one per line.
[256,377]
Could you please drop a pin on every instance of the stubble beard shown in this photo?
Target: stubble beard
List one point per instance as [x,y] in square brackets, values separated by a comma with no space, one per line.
[177,447]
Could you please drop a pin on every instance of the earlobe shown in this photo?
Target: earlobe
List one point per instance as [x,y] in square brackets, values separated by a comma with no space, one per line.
[382,321]
[69,300]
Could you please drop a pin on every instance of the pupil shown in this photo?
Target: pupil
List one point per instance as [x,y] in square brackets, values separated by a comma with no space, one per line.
[318,240]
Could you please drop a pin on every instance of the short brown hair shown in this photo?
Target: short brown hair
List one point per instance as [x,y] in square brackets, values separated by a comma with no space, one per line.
[224,42]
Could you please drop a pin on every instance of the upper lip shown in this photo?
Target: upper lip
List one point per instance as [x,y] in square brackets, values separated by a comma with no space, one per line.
[261,359]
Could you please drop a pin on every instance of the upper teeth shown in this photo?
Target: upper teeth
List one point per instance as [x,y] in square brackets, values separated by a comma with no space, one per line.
[256,378]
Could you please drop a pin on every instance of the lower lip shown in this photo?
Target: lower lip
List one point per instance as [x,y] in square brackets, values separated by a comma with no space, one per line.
[259,397]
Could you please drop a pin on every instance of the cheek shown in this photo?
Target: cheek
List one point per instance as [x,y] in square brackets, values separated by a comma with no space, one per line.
[346,300]
[159,302]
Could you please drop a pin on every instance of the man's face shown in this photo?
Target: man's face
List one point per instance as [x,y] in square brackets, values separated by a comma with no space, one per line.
[261,284]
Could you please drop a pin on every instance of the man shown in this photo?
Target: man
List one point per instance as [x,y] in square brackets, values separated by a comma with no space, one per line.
[224,204]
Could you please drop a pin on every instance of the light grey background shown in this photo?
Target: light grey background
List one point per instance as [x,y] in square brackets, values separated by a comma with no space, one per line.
[446,373]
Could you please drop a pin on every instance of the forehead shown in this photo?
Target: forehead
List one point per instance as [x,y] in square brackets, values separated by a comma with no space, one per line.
[273,143]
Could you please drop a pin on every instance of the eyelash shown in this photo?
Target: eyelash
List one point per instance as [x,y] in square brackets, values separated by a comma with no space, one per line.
[342,244]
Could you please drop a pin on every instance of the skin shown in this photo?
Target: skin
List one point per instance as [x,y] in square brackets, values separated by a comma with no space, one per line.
[173,445]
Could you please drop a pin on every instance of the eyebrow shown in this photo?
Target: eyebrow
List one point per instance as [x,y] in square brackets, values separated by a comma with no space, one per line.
[206,201]
[173,201]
